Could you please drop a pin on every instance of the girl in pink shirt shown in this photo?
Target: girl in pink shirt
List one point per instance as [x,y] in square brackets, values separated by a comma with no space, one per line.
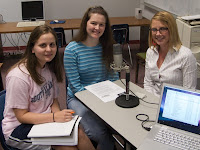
[32,93]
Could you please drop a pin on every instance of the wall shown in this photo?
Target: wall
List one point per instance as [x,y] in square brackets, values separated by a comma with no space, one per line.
[188,7]
[147,12]
[61,9]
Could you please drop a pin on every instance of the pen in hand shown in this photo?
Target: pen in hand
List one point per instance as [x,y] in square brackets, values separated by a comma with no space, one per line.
[72,112]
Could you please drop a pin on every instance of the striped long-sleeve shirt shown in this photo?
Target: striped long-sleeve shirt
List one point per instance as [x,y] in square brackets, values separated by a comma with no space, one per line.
[83,66]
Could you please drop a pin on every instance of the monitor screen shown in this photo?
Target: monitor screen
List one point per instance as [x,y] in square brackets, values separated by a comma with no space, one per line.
[32,10]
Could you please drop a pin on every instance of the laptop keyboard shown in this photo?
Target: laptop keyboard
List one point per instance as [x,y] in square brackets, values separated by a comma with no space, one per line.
[30,23]
[177,140]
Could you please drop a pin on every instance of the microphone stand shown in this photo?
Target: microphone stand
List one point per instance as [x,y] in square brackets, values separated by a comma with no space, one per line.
[126,100]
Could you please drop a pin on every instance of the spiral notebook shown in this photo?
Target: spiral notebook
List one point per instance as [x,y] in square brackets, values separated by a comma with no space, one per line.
[56,133]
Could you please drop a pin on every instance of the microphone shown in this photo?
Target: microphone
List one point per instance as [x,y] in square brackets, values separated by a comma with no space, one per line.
[117,55]
[125,100]
[118,63]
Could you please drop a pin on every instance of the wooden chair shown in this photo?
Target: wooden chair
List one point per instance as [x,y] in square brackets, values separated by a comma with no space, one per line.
[140,60]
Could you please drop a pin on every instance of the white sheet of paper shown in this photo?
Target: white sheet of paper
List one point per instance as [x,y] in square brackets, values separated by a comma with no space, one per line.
[106,90]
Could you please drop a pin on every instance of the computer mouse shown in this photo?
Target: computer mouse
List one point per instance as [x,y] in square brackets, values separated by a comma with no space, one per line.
[56,21]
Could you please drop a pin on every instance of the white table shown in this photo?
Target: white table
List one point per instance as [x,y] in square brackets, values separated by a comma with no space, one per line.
[122,120]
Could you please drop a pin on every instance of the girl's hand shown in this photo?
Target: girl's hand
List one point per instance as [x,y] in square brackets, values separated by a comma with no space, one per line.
[64,115]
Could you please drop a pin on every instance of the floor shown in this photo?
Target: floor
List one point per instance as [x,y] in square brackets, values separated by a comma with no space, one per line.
[10,60]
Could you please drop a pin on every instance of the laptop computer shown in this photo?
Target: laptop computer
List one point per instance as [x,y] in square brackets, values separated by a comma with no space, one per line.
[179,112]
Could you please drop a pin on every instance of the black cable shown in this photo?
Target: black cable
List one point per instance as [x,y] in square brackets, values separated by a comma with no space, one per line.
[18,39]
[16,46]
[9,40]
[4,41]
[148,102]
[138,97]
[12,42]
[21,35]
[146,120]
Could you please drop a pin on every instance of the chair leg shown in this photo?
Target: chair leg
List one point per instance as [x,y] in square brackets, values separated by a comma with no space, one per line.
[129,49]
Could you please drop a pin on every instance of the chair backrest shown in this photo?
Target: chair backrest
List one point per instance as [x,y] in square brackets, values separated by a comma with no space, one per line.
[2,106]
[1,82]
[61,36]
[120,33]
[2,103]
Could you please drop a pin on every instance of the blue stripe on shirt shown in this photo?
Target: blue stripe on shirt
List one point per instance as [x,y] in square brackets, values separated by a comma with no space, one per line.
[83,66]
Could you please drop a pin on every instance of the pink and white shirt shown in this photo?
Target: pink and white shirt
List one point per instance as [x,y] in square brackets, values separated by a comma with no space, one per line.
[23,93]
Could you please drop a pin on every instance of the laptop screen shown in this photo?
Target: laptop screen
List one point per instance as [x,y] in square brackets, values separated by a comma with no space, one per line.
[180,109]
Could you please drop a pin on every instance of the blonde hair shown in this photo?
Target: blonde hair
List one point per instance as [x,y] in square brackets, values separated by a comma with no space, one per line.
[169,21]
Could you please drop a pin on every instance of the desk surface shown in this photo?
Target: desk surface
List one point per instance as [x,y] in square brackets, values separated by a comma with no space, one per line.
[70,24]
[122,120]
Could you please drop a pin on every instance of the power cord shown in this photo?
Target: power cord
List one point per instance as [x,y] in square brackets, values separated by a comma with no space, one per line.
[145,116]
[145,120]
[137,96]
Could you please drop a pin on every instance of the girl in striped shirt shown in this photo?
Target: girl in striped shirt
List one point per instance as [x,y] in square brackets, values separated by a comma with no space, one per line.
[87,61]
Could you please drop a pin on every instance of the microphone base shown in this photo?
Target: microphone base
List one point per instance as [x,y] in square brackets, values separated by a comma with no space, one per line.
[130,103]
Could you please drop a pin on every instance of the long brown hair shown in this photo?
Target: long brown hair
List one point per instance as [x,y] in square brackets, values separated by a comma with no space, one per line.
[30,61]
[106,40]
